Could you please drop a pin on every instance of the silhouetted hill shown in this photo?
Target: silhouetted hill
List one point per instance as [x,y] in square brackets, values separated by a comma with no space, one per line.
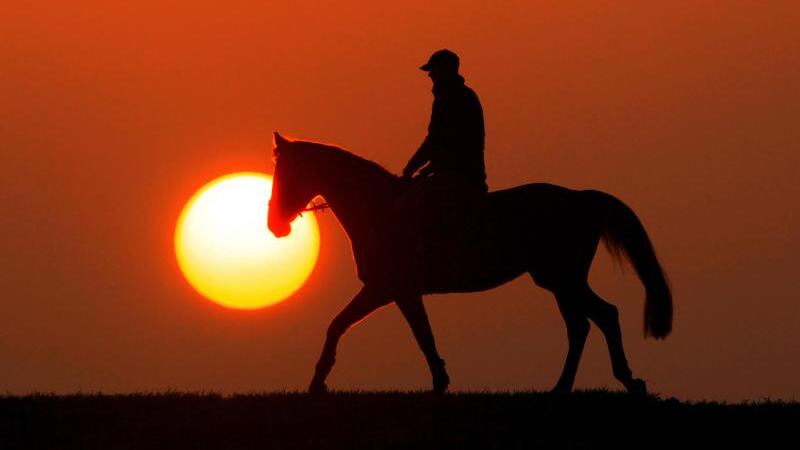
[386,420]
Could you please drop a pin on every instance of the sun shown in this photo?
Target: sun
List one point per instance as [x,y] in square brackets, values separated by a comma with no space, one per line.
[228,255]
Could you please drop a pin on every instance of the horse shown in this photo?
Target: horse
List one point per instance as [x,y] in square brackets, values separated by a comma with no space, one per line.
[552,235]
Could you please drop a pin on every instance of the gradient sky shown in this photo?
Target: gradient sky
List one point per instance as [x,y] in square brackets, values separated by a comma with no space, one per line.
[113,113]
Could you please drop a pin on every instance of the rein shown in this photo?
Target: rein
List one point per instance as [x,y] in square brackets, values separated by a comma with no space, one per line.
[315,207]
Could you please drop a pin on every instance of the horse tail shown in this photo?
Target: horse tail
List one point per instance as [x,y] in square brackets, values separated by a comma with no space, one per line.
[625,238]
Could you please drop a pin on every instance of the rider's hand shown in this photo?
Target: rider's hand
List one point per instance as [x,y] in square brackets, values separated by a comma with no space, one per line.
[426,171]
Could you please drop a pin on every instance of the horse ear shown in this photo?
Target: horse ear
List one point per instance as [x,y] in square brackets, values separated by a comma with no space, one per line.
[278,139]
[279,142]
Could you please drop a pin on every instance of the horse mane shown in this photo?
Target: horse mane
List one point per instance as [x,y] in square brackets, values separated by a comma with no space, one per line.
[340,156]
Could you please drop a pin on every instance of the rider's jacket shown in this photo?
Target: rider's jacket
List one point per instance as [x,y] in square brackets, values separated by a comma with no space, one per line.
[455,141]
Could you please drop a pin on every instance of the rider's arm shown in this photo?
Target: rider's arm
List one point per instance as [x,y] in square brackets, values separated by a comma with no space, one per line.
[421,156]
[425,150]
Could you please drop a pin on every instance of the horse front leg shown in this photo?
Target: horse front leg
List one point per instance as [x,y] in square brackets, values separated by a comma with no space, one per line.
[414,311]
[366,301]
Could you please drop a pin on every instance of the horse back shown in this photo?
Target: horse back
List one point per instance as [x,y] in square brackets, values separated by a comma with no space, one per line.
[516,230]
[544,202]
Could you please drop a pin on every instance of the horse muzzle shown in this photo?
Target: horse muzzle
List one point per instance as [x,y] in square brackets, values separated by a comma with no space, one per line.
[280,228]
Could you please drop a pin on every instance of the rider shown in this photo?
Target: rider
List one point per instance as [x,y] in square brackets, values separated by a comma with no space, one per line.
[438,208]
[452,175]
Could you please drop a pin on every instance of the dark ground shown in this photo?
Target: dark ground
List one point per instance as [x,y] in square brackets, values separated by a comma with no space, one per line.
[386,420]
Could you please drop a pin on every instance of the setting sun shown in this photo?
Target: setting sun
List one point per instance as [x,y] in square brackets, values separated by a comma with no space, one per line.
[227,253]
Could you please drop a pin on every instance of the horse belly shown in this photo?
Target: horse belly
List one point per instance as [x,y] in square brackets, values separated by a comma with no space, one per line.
[478,267]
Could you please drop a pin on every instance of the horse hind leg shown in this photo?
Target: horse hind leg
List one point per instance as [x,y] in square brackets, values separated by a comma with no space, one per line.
[575,317]
[606,317]
[414,311]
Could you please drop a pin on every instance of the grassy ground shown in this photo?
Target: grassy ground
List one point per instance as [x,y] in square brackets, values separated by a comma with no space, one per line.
[386,420]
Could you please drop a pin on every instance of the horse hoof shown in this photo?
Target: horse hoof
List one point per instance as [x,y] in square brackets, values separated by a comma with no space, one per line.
[561,390]
[637,387]
[440,384]
[317,388]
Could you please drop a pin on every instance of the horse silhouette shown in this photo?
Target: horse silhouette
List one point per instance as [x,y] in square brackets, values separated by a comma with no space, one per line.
[547,231]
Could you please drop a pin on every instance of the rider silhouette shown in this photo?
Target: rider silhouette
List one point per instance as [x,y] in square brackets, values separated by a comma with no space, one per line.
[438,206]
[453,148]
[452,175]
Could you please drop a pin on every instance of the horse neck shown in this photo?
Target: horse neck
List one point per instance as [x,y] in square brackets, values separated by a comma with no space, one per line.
[356,195]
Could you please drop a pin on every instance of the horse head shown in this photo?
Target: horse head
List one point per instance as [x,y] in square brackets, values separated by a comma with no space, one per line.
[292,189]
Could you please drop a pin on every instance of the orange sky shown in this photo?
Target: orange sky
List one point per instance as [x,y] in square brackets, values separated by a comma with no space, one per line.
[113,114]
